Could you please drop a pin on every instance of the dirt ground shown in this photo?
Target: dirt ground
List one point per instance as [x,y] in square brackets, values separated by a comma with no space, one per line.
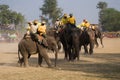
[104,64]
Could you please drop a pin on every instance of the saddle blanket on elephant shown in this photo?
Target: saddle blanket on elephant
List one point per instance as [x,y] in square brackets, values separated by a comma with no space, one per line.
[38,38]
[43,40]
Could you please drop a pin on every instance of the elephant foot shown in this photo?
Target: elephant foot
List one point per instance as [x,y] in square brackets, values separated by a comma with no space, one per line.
[97,46]
[39,66]
[102,46]
[66,59]
[71,60]
[91,53]
[85,53]
[26,66]
[78,59]
[20,62]
[50,66]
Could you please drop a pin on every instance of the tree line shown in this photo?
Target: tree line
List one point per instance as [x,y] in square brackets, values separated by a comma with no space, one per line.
[10,21]
[8,16]
[109,18]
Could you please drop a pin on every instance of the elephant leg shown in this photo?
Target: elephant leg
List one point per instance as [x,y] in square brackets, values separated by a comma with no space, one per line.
[59,45]
[66,53]
[56,55]
[40,59]
[55,49]
[29,56]
[25,57]
[71,54]
[91,48]
[47,59]
[77,53]
[79,49]
[21,61]
[44,54]
[96,42]
[85,49]
[101,40]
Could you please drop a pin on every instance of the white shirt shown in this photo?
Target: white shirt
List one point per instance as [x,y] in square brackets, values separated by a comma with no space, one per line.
[34,28]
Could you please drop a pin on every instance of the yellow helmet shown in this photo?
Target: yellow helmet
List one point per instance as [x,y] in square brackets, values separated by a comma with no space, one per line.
[65,15]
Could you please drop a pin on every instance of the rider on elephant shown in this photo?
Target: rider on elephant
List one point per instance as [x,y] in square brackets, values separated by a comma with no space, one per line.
[57,24]
[28,30]
[33,29]
[41,30]
[93,27]
[64,19]
[37,29]
[85,24]
[35,25]
[68,20]
[71,19]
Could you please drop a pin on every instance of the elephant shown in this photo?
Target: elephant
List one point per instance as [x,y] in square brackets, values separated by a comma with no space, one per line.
[87,37]
[98,34]
[74,38]
[54,33]
[27,47]
[69,36]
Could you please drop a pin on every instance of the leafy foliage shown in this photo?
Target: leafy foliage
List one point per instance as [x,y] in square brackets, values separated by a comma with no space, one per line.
[8,16]
[102,5]
[10,21]
[109,18]
[49,9]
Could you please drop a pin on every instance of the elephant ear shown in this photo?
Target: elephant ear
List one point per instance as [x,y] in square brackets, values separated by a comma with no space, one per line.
[26,36]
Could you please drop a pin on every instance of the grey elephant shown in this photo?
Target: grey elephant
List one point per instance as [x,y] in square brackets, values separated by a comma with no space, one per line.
[27,47]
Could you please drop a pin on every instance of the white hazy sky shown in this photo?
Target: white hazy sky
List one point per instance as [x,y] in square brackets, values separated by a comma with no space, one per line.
[81,9]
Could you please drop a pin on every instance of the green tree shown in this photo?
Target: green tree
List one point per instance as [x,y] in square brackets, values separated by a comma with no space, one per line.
[50,10]
[109,18]
[8,16]
[4,11]
[3,7]
[101,6]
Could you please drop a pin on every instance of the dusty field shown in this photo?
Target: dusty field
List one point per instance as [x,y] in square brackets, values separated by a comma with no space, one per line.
[104,64]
